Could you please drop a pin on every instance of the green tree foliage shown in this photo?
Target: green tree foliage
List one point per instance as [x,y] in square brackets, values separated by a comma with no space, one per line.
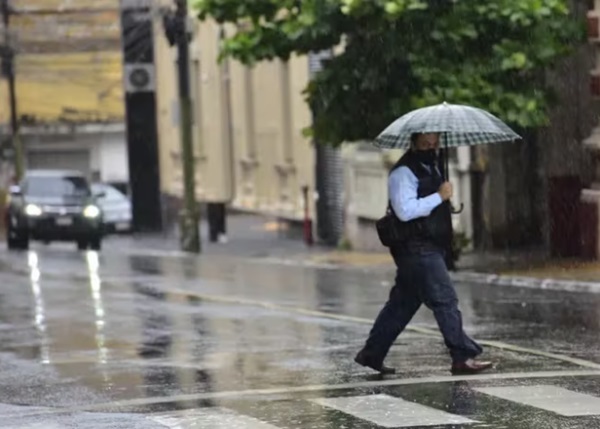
[397,55]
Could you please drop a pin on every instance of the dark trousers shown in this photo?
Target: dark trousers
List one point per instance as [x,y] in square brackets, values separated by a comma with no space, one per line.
[421,278]
[216,214]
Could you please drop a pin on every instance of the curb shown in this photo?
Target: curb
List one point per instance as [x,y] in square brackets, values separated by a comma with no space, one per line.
[527,282]
[467,277]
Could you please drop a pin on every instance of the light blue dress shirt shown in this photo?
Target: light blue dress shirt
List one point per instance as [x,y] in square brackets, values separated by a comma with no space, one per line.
[402,190]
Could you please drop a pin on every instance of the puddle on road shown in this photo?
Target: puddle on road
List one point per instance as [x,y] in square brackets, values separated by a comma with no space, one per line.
[128,337]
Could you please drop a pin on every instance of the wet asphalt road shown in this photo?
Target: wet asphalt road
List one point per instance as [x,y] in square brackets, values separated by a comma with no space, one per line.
[135,338]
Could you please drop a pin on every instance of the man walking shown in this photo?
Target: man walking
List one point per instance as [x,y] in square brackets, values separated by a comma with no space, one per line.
[419,198]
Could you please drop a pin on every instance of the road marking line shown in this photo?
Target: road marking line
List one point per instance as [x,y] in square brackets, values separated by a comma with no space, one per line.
[550,398]
[341,317]
[209,418]
[254,393]
[390,412]
[42,425]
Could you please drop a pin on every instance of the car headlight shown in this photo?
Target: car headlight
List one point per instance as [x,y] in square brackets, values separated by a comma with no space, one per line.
[33,210]
[91,212]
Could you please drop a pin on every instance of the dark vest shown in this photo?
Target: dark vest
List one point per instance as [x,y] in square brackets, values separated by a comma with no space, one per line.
[435,231]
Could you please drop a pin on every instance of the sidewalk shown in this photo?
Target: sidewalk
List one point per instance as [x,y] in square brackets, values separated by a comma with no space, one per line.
[249,236]
[520,270]
[252,236]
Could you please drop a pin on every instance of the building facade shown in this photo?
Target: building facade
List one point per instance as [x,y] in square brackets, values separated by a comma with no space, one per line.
[69,87]
[247,124]
[250,151]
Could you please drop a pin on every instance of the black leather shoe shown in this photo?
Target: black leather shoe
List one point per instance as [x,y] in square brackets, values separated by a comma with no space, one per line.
[363,359]
[470,367]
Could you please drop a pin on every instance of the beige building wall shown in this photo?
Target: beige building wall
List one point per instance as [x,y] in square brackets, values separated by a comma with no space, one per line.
[166,92]
[247,128]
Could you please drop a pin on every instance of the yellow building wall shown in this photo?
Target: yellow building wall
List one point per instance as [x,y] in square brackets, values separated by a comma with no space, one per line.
[49,84]
[251,152]
[168,132]
[4,104]
[211,118]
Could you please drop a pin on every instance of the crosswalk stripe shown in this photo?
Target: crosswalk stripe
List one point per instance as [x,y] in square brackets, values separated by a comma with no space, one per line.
[209,418]
[550,398]
[390,412]
[42,425]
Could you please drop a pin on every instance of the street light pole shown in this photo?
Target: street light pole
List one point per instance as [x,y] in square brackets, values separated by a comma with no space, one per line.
[9,58]
[189,216]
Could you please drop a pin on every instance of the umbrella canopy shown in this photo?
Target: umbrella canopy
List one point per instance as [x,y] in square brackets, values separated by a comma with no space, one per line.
[459,125]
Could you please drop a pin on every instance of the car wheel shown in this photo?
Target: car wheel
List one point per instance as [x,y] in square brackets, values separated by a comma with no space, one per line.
[15,242]
[96,243]
[82,244]
[18,244]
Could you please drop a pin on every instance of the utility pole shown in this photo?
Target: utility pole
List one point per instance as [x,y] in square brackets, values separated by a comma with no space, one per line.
[329,175]
[189,216]
[9,70]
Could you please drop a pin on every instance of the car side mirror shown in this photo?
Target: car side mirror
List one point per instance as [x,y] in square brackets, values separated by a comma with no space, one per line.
[100,195]
[15,191]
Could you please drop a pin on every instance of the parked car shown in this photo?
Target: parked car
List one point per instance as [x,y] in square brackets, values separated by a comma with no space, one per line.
[51,205]
[115,206]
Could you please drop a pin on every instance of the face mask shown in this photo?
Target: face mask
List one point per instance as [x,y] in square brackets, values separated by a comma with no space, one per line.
[428,157]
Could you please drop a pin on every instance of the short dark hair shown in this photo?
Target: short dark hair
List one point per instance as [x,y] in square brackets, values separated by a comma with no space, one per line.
[414,137]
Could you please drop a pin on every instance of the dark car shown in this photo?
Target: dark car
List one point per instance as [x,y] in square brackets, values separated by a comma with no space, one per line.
[53,206]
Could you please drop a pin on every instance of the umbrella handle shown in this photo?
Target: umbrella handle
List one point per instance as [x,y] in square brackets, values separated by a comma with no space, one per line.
[447,173]
[454,211]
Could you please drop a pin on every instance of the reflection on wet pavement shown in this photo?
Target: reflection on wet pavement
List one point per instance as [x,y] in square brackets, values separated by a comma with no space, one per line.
[19,417]
[78,329]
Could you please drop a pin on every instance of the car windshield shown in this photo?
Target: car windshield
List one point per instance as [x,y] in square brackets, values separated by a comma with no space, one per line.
[56,186]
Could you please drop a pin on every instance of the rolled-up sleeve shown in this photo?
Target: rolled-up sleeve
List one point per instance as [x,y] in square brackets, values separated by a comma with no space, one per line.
[402,190]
